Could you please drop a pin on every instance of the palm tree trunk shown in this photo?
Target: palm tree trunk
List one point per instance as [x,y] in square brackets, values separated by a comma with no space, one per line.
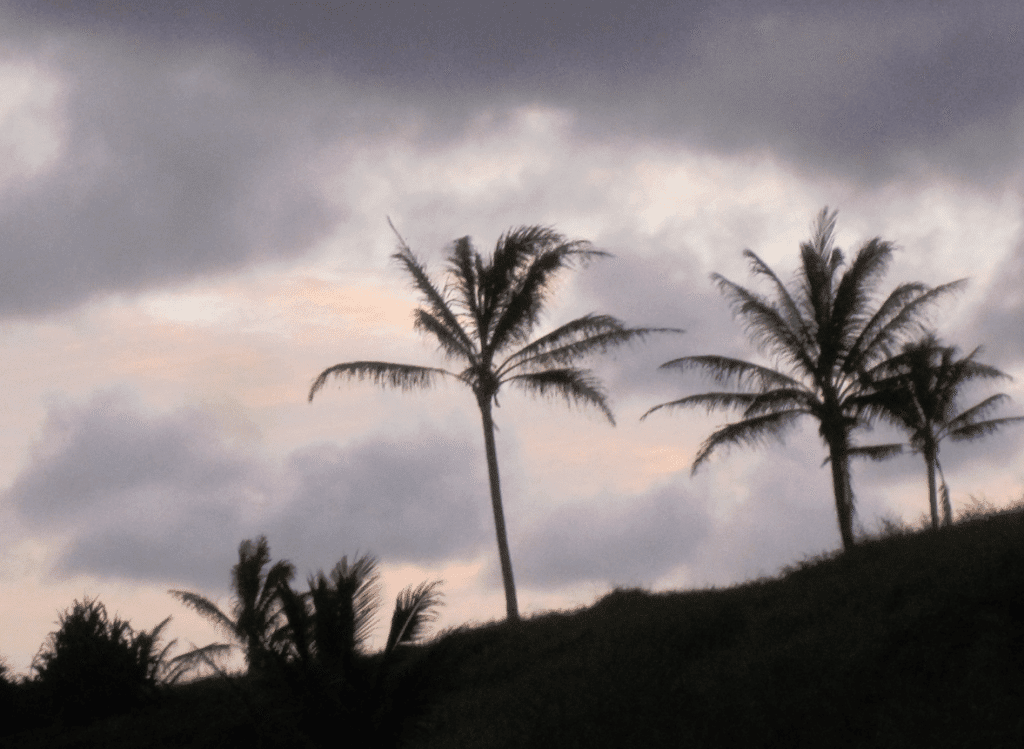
[839,457]
[511,605]
[933,494]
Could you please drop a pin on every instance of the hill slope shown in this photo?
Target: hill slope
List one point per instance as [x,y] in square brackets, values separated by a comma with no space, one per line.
[914,640]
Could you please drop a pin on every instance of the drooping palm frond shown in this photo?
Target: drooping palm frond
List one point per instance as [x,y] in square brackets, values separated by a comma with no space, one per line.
[207,609]
[415,607]
[724,369]
[708,401]
[982,428]
[576,386]
[975,412]
[207,655]
[877,453]
[385,374]
[752,432]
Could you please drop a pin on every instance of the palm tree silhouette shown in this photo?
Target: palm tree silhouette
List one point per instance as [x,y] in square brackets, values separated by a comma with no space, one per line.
[327,629]
[917,391]
[484,317]
[256,618]
[823,334]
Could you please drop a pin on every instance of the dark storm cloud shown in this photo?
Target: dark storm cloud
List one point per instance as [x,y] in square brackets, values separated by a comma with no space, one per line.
[170,167]
[166,497]
[864,88]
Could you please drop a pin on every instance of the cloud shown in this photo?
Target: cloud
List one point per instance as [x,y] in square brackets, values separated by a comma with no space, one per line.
[416,501]
[168,496]
[628,541]
[168,167]
[868,92]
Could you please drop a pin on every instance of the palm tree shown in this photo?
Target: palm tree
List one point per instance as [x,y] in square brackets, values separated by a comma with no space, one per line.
[823,333]
[917,391]
[256,617]
[484,317]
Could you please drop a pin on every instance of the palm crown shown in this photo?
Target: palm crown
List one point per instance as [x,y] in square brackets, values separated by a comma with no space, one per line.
[918,390]
[484,317]
[823,333]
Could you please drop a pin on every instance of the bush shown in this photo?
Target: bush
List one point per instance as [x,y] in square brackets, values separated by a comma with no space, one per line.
[94,666]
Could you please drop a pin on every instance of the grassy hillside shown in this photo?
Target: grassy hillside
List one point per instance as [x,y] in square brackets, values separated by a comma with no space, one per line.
[913,640]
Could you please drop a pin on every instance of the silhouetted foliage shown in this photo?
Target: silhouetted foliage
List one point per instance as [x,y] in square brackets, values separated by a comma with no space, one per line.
[94,666]
[483,316]
[918,391]
[311,646]
[326,661]
[256,617]
[824,332]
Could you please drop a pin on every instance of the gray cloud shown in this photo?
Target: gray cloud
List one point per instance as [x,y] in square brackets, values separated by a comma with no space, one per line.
[166,497]
[631,541]
[867,91]
[420,501]
[171,166]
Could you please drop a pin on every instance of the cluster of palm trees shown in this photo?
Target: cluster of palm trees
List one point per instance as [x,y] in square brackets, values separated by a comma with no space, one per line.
[836,355]
[313,642]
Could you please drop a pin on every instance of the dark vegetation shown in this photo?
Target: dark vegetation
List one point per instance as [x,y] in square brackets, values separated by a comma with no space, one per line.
[914,638]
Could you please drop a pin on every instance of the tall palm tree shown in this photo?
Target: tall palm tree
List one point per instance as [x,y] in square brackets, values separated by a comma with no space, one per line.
[917,391]
[823,333]
[256,618]
[484,317]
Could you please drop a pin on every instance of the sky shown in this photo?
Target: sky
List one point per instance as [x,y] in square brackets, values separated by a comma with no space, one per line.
[194,205]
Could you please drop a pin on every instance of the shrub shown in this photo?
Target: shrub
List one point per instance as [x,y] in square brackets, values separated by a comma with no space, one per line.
[94,666]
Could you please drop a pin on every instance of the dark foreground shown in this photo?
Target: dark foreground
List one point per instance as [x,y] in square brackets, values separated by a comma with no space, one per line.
[914,640]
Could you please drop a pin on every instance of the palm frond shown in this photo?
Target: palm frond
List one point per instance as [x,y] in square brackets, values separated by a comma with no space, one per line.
[385,374]
[182,664]
[908,321]
[451,344]
[765,326]
[754,432]
[724,369]
[853,294]
[524,301]
[779,399]
[207,609]
[875,452]
[790,311]
[435,301]
[977,411]
[415,608]
[575,340]
[576,386]
[358,583]
[708,401]
[982,428]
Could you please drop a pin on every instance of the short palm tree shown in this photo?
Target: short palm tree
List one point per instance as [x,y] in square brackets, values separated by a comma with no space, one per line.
[823,332]
[917,391]
[484,317]
[326,633]
[256,617]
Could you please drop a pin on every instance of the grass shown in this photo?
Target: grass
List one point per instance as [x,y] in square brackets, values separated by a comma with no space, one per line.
[915,639]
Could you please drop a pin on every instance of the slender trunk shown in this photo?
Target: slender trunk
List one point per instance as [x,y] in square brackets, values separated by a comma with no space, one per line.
[933,495]
[839,457]
[511,604]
